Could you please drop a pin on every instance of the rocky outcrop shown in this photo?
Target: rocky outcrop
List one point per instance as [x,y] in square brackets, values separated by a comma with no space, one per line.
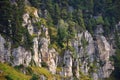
[67,67]
[20,56]
[48,56]
[5,50]
[84,46]
[53,59]
[93,55]
[37,55]
[27,23]
[104,55]
[44,49]
[40,44]
[16,56]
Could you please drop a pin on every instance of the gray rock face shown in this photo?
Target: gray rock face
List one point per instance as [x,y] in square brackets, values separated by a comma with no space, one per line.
[21,56]
[53,59]
[67,69]
[50,56]
[104,49]
[40,45]
[17,56]
[93,55]
[4,50]
[44,49]
[27,23]
[85,51]
[36,56]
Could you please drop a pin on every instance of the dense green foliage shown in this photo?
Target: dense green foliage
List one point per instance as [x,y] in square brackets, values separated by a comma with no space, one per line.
[82,13]
[11,23]
[35,77]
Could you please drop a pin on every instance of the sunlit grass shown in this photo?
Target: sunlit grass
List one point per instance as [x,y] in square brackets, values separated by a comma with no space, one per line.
[12,73]
[42,71]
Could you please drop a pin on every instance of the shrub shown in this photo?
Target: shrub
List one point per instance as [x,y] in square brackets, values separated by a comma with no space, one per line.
[84,42]
[35,77]
[44,64]
[8,77]
[99,20]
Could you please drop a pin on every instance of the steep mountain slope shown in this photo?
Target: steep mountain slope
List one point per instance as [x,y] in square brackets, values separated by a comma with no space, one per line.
[60,40]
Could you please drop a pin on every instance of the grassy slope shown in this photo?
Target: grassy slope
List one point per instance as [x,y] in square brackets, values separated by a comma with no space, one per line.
[12,73]
[15,75]
[42,71]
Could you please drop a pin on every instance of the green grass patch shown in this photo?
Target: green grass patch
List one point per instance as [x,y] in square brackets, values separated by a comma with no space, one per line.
[84,77]
[42,71]
[99,20]
[58,69]
[12,73]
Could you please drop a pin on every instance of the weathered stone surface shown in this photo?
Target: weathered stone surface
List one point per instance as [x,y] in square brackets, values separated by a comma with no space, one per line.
[67,69]
[36,56]
[104,49]
[2,48]
[44,49]
[94,53]
[21,56]
[27,23]
[53,58]
[50,56]
[5,49]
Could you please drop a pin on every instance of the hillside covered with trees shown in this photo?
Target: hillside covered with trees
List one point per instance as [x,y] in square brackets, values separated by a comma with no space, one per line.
[62,23]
